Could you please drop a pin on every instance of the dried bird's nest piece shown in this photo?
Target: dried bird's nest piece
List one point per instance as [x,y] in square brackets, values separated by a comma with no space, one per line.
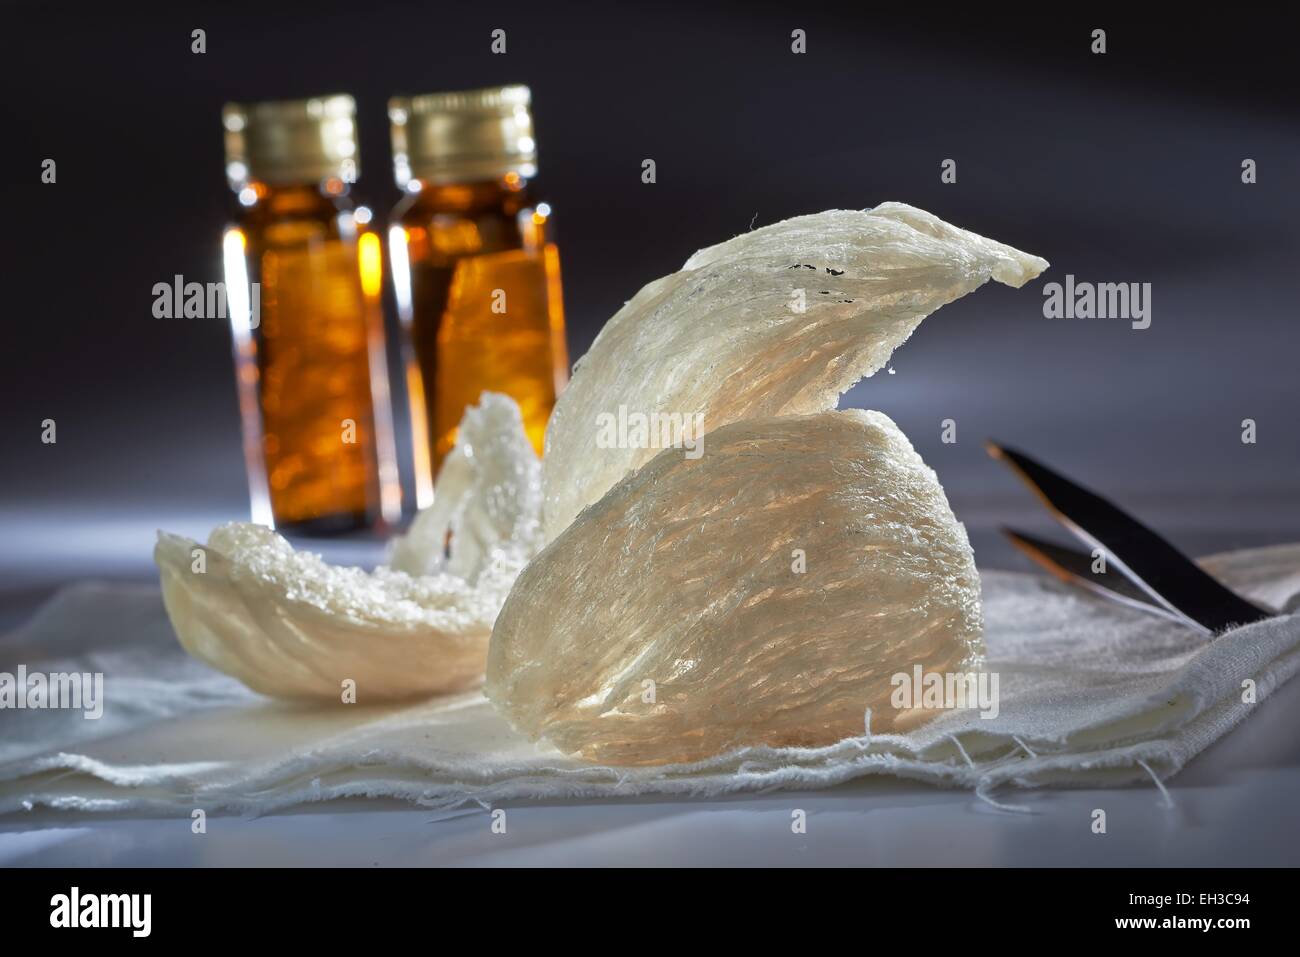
[764,594]
[664,621]
[288,624]
[778,321]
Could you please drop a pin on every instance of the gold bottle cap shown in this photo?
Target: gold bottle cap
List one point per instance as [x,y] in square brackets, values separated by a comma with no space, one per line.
[463,136]
[291,142]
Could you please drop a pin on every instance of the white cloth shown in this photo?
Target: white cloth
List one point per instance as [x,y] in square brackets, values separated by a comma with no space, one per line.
[1091,694]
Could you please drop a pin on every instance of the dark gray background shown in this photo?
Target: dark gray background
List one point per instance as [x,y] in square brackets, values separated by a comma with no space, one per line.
[1116,168]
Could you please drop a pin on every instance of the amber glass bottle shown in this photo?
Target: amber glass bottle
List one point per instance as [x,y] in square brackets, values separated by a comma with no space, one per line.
[308,333]
[475,267]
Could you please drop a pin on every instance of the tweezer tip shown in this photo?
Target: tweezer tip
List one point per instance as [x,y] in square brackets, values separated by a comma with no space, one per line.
[1005,453]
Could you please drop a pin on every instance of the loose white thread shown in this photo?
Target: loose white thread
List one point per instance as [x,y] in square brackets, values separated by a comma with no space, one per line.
[953,739]
[863,743]
[981,792]
[1028,750]
[1169,802]
[981,788]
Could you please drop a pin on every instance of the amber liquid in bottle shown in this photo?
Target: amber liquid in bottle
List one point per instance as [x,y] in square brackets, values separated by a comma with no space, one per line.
[485,308]
[312,355]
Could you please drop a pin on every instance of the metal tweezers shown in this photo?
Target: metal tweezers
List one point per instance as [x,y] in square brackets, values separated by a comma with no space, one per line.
[1128,563]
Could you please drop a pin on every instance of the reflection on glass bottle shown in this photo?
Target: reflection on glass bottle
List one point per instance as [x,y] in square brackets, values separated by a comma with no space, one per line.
[310,358]
[475,267]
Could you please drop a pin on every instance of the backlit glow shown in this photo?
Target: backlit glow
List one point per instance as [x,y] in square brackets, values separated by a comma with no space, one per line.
[371,259]
[233,248]
[401,266]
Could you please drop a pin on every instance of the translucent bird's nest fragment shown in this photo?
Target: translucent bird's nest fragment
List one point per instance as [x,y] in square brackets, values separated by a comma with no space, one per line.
[666,620]
[764,594]
[778,321]
[287,624]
